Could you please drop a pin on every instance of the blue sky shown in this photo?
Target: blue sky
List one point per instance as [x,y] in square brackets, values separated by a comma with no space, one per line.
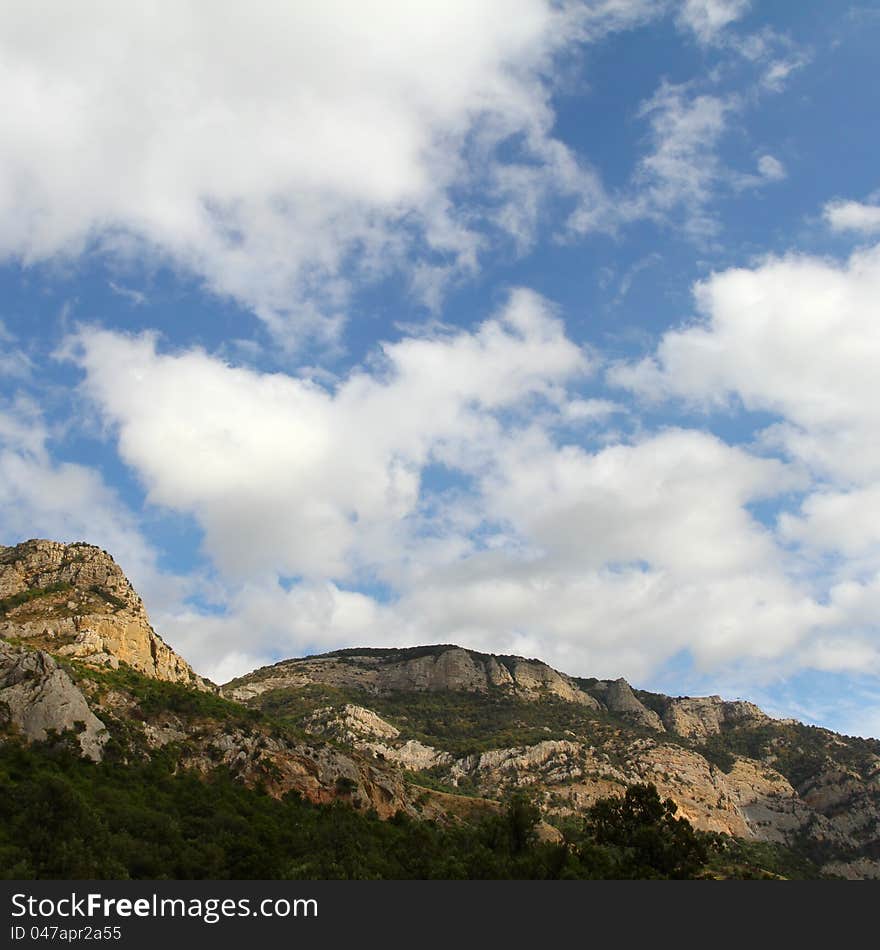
[542,328]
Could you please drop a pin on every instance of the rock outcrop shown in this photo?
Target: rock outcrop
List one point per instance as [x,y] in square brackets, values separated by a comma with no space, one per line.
[430,669]
[699,718]
[37,698]
[617,696]
[73,600]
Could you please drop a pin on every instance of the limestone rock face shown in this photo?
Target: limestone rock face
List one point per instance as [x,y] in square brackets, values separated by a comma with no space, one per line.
[349,723]
[453,669]
[73,600]
[698,718]
[319,772]
[618,696]
[363,729]
[37,696]
[536,679]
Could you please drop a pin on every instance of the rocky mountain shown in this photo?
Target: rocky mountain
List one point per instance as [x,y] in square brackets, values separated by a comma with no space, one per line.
[486,725]
[73,600]
[436,732]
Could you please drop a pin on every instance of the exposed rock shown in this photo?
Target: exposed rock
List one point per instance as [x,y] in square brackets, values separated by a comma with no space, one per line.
[74,600]
[453,669]
[618,697]
[698,718]
[497,674]
[349,723]
[362,728]
[552,761]
[534,679]
[38,697]
[320,773]
[412,755]
[860,869]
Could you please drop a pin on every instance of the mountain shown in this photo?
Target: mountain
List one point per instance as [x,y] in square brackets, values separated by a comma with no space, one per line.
[436,734]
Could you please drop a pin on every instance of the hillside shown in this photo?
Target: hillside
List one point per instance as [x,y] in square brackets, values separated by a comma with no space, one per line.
[436,737]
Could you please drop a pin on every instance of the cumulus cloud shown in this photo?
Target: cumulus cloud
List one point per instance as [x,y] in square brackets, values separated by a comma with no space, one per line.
[797,337]
[286,475]
[853,216]
[606,562]
[277,152]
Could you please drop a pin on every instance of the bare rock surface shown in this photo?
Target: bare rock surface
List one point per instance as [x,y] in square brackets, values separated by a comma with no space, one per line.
[38,698]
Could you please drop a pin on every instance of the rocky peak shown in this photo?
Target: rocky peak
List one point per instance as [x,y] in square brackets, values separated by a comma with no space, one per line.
[39,565]
[74,600]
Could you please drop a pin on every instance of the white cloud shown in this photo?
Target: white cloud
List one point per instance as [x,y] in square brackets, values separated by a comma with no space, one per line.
[797,337]
[708,19]
[14,362]
[771,168]
[275,151]
[683,169]
[602,564]
[283,474]
[853,216]
[778,70]
[847,522]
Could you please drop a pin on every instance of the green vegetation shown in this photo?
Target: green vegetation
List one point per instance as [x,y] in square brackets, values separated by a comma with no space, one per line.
[641,836]
[155,697]
[25,596]
[293,704]
[433,778]
[111,599]
[734,857]
[64,818]
[461,723]
[795,750]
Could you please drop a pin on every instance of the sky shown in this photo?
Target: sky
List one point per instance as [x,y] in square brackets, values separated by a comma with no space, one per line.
[546,328]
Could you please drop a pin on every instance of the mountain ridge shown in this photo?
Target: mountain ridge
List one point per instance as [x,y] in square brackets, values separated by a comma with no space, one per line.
[423,668]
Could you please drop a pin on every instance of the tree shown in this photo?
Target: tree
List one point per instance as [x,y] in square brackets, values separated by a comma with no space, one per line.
[645,838]
[522,815]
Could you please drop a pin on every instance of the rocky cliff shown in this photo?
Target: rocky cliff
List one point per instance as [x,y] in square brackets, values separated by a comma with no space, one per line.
[73,600]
